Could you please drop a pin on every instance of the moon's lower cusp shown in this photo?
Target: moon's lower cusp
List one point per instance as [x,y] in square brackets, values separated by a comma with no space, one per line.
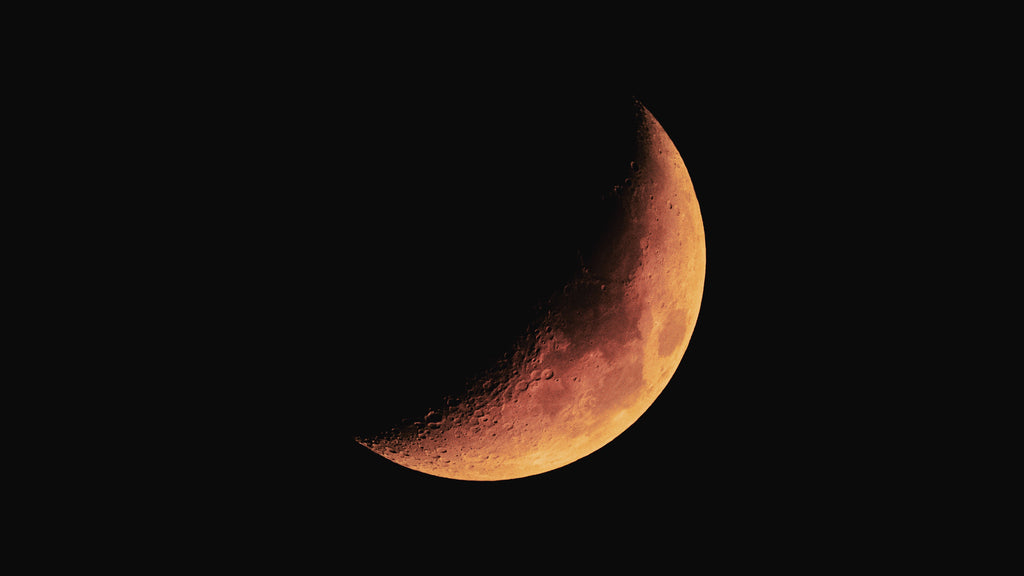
[598,358]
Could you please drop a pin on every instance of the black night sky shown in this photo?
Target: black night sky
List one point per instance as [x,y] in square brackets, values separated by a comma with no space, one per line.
[375,224]
[311,226]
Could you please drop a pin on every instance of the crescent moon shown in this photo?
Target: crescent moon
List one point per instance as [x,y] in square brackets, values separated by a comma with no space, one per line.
[604,349]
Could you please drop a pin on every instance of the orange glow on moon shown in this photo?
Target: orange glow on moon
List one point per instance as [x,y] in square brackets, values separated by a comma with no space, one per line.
[606,348]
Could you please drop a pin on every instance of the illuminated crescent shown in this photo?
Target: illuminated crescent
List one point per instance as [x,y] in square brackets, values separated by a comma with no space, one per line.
[606,347]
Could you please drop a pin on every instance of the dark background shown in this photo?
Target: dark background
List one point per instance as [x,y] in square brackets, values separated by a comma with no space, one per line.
[283,230]
[358,242]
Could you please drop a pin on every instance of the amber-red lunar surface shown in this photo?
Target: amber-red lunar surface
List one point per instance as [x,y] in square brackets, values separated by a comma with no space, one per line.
[606,346]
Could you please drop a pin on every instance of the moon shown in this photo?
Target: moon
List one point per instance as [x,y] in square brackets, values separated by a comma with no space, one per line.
[602,350]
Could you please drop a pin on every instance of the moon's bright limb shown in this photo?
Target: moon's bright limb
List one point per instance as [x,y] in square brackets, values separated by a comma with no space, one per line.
[607,346]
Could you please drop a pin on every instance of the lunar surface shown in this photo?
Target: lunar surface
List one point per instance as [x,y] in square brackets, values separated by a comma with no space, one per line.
[601,352]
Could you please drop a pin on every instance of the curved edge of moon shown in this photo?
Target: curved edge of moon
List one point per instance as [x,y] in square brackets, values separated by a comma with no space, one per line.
[606,348]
